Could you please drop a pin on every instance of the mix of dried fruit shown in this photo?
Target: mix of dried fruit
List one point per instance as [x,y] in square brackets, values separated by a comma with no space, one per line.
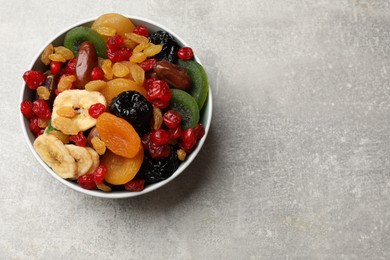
[117,107]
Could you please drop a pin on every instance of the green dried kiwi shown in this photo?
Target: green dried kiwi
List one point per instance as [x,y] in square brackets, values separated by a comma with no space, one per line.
[76,36]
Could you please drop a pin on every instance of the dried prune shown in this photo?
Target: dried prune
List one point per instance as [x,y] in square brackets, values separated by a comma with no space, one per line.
[153,170]
[134,108]
[170,46]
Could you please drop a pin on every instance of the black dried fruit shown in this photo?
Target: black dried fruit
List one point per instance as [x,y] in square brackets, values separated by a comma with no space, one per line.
[134,108]
[153,170]
[170,46]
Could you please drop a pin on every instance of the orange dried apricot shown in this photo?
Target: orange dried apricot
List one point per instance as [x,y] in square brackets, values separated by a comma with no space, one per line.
[121,170]
[119,135]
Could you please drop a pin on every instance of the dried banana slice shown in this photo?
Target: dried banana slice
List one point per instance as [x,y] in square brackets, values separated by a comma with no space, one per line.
[54,153]
[80,101]
[82,158]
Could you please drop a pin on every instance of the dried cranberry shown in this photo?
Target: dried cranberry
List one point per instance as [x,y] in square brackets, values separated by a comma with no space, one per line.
[96,110]
[41,109]
[159,137]
[145,140]
[78,139]
[34,79]
[159,89]
[159,151]
[148,82]
[26,108]
[172,118]
[97,74]
[70,68]
[114,41]
[41,131]
[87,181]
[188,139]
[119,54]
[135,185]
[148,64]
[55,67]
[141,30]
[99,173]
[199,131]
[185,53]
[174,133]
[34,125]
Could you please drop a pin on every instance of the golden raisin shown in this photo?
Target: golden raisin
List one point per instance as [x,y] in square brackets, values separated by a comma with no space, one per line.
[107,69]
[64,52]
[103,187]
[152,50]
[43,123]
[43,92]
[45,54]
[140,47]
[138,57]
[57,57]
[138,74]
[181,154]
[67,112]
[66,82]
[98,145]
[157,118]
[136,37]
[119,70]
[66,125]
[95,85]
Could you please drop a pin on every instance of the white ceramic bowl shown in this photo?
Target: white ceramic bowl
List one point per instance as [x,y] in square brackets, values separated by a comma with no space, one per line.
[26,93]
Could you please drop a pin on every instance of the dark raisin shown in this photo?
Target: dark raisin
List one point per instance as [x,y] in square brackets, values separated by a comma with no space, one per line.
[153,170]
[170,46]
[134,108]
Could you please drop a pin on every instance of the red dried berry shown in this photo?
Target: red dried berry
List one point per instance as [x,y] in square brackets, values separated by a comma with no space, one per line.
[141,30]
[87,181]
[34,79]
[99,173]
[55,67]
[185,53]
[135,185]
[188,139]
[97,74]
[78,139]
[199,131]
[119,54]
[145,140]
[96,110]
[148,82]
[70,68]
[159,90]
[148,64]
[172,118]
[159,151]
[34,126]
[114,41]
[41,131]
[174,133]
[41,109]
[26,108]
[159,137]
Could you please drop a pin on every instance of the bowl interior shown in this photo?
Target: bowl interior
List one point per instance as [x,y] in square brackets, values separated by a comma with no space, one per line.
[28,94]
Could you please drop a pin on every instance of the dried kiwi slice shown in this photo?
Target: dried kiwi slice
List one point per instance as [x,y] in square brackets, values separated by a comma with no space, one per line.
[76,36]
[186,106]
[200,83]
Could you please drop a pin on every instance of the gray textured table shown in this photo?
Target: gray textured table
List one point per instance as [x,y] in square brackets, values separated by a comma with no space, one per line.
[296,165]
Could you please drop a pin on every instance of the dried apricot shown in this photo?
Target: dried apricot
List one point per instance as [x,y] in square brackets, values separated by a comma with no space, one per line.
[119,135]
[121,170]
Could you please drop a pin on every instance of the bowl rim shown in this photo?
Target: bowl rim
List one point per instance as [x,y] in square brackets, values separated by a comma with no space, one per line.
[207,115]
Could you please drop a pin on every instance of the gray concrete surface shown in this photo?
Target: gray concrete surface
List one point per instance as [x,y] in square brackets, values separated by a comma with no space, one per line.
[296,165]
